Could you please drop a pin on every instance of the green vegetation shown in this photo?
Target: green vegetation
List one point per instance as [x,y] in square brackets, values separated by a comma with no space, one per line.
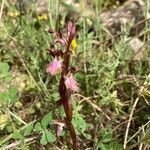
[112,108]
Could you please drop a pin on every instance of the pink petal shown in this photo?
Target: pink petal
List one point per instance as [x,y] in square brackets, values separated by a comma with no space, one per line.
[71,31]
[61,41]
[71,83]
[54,67]
[59,130]
[60,126]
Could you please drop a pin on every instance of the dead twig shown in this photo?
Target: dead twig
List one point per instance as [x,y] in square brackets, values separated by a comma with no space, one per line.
[143,126]
[1,10]
[12,145]
[129,122]
[131,114]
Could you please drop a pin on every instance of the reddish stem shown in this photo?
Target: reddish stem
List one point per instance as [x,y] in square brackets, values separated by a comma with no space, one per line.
[65,99]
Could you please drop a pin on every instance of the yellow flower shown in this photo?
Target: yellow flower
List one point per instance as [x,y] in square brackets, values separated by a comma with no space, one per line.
[42,17]
[73,46]
[13,14]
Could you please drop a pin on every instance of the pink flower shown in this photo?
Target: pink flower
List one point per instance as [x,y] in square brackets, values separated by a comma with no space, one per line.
[54,67]
[59,130]
[60,126]
[71,83]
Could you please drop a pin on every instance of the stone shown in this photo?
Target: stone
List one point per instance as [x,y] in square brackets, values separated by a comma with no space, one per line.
[132,10]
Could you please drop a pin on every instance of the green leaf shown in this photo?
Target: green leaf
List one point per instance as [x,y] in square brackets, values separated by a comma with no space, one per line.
[116,146]
[22,142]
[79,123]
[4,97]
[110,146]
[9,129]
[13,92]
[4,68]
[9,95]
[107,136]
[55,96]
[4,71]
[87,136]
[43,140]
[62,112]
[46,119]
[17,135]
[28,130]
[104,147]
[38,126]
[8,77]
[50,136]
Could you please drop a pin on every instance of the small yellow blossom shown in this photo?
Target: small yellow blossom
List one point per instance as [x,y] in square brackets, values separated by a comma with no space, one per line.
[42,17]
[13,14]
[73,46]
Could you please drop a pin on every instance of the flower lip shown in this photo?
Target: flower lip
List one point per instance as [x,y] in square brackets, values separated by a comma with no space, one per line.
[60,126]
[54,67]
[71,83]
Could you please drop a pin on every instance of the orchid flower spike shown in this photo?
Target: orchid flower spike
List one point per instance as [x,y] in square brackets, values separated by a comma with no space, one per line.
[54,67]
[71,83]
